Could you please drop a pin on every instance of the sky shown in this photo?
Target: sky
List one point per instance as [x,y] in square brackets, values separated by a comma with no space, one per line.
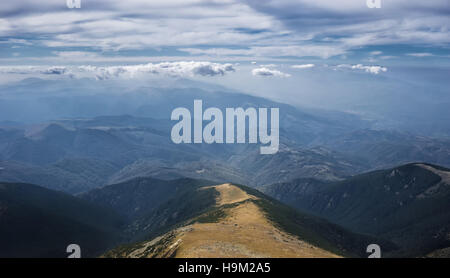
[105,31]
[267,47]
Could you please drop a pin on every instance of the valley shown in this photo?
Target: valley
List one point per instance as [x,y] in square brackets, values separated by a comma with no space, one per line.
[337,183]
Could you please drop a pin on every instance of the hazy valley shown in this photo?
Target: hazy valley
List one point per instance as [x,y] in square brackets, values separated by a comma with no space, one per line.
[95,165]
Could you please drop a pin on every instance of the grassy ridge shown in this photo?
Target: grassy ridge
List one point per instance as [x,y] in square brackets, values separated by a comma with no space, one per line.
[407,205]
[315,230]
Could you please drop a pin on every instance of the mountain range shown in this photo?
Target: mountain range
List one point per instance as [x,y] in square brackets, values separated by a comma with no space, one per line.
[80,154]
[407,205]
[404,210]
[136,212]
[93,164]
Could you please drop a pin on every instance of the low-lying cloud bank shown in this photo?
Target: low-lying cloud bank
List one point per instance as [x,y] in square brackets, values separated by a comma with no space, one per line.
[269,71]
[174,69]
[368,69]
[33,70]
[266,72]
[305,66]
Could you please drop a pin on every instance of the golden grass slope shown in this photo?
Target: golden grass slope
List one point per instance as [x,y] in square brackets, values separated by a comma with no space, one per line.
[244,232]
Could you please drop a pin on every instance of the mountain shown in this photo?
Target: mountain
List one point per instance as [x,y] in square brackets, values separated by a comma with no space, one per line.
[66,142]
[68,175]
[293,161]
[64,126]
[62,99]
[388,148]
[37,222]
[76,155]
[56,142]
[206,169]
[408,205]
[224,220]
[149,204]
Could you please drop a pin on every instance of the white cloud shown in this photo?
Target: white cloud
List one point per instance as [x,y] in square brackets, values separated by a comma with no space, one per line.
[252,29]
[33,70]
[376,53]
[425,54]
[262,71]
[268,66]
[76,55]
[55,70]
[167,68]
[351,24]
[15,41]
[136,24]
[387,57]
[306,50]
[368,69]
[174,69]
[305,66]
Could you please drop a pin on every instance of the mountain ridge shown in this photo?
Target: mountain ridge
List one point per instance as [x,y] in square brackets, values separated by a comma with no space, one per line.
[236,224]
[408,204]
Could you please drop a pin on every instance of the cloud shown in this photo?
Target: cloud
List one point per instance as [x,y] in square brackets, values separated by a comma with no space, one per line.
[55,70]
[306,50]
[15,41]
[173,69]
[387,57]
[167,68]
[266,72]
[135,24]
[376,53]
[224,28]
[305,66]
[368,69]
[352,24]
[268,66]
[424,54]
[33,70]
[76,55]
